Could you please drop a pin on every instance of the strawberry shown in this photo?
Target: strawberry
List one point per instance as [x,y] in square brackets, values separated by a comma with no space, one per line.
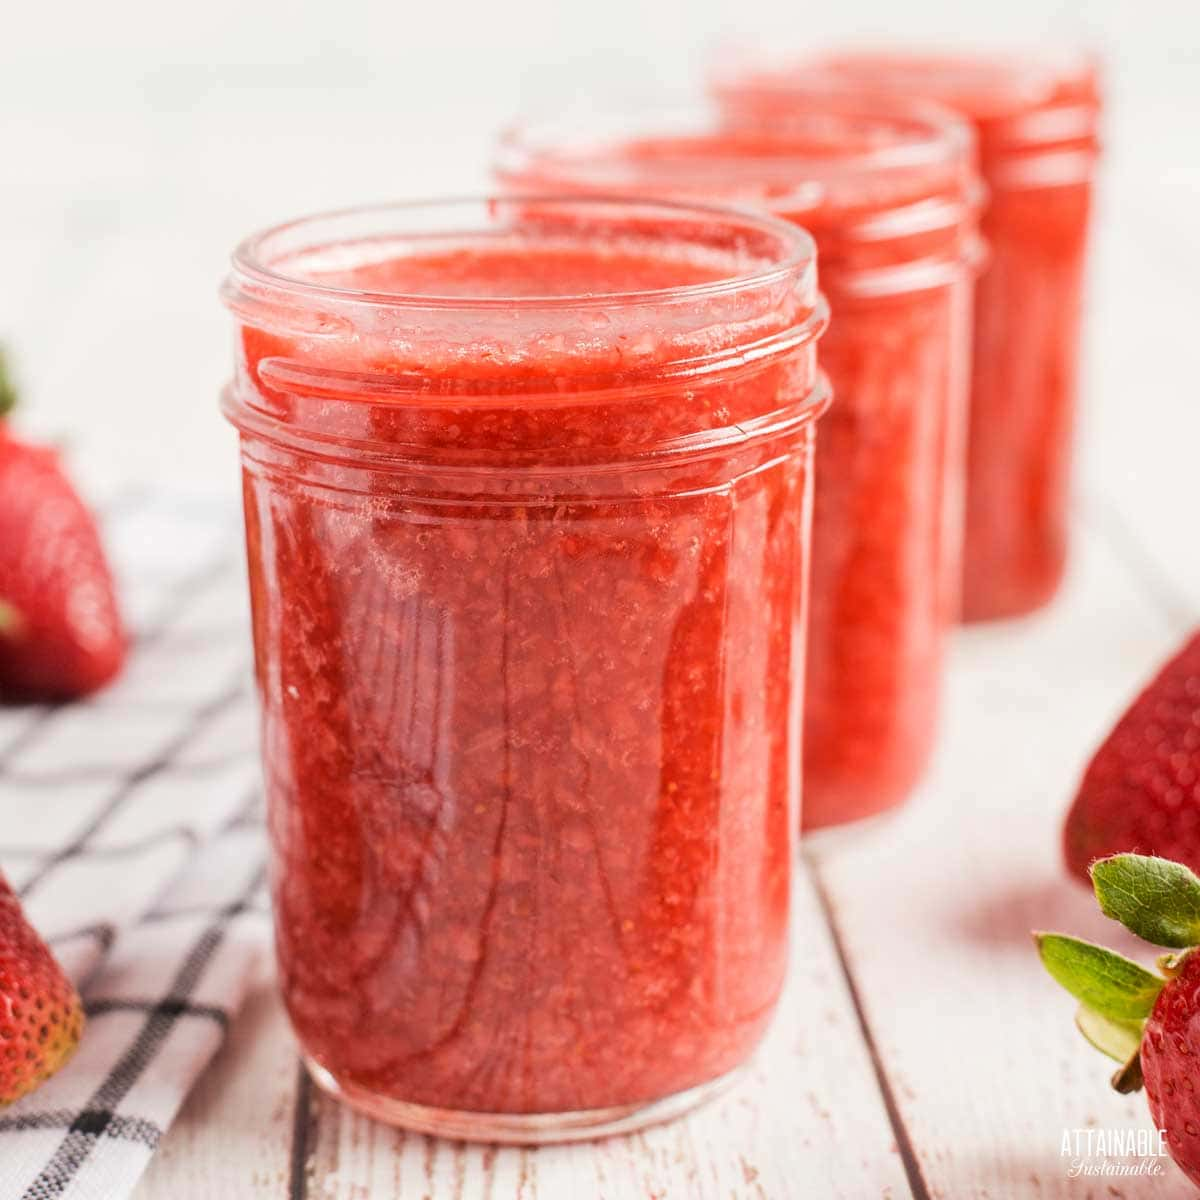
[1141,791]
[41,1017]
[60,631]
[1149,1021]
[1170,1042]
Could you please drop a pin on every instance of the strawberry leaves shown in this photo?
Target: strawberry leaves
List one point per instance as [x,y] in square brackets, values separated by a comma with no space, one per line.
[1112,986]
[8,393]
[1155,898]
[1144,1020]
[1118,1039]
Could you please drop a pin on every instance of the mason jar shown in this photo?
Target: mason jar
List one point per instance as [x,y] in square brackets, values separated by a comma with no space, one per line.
[1036,118]
[527,497]
[890,195]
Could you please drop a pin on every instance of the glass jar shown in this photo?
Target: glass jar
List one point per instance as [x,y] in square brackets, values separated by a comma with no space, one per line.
[527,505]
[1036,121]
[891,198]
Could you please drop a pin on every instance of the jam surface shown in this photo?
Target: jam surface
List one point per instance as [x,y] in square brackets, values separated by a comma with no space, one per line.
[531,698]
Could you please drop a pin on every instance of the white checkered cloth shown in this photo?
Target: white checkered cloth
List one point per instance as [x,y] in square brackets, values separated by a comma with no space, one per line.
[132,831]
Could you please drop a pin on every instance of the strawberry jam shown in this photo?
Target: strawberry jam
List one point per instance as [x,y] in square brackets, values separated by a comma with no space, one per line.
[1036,125]
[527,500]
[890,200]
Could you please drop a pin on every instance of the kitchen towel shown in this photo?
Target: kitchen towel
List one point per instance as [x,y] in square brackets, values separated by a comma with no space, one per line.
[132,831]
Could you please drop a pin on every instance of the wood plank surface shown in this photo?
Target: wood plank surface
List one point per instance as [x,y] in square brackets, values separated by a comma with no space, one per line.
[233,1138]
[935,905]
[807,1120]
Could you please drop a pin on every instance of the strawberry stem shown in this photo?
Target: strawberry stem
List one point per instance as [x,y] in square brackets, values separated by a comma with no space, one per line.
[1171,964]
[1128,1078]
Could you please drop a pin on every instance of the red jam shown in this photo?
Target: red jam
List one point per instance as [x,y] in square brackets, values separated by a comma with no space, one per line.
[1036,126]
[526,496]
[890,202]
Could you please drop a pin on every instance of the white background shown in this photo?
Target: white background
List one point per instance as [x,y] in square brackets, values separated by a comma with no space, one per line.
[140,140]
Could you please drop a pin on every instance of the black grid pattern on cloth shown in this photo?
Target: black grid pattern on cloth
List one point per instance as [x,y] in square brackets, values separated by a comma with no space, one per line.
[98,810]
[98,1118]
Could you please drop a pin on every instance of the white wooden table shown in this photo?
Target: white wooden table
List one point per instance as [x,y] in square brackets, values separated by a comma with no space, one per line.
[920,1050]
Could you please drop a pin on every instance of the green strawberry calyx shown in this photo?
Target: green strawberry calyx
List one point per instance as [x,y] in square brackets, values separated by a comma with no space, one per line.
[11,621]
[8,391]
[1159,901]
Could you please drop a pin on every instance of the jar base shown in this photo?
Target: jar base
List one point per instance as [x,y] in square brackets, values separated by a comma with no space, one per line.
[1011,599]
[518,1129]
[831,801]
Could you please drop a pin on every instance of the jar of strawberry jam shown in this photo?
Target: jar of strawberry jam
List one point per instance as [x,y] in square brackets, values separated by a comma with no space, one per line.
[527,495]
[890,198]
[1036,121]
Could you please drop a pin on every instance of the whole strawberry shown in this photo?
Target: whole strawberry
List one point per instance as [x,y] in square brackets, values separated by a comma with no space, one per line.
[1148,1022]
[60,630]
[1170,1042]
[41,1018]
[1141,791]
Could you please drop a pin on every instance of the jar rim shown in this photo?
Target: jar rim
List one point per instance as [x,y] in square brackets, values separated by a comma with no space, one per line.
[252,265]
[936,135]
[1028,97]
[856,171]
[392,456]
